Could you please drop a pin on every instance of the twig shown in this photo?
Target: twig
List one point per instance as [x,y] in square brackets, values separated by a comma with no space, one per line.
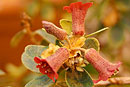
[26,23]
[97,32]
[114,81]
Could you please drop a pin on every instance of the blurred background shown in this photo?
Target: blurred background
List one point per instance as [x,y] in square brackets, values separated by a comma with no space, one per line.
[114,42]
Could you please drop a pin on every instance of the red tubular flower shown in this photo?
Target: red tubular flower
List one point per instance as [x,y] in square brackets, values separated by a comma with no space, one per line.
[78,11]
[51,64]
[104,67]
[54,30]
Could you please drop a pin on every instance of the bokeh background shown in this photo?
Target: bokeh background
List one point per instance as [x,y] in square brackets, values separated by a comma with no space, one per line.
[114,42]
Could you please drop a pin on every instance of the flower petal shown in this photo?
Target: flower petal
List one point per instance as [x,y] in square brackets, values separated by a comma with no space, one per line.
[51,64]
[54,30]
[78,11]
[104,67]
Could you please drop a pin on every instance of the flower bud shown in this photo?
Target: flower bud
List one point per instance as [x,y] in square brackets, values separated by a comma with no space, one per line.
[54,30]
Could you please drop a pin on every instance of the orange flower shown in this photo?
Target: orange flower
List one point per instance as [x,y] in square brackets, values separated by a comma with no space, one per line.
[78,11]
[54,30]
[51,64]
[104,67]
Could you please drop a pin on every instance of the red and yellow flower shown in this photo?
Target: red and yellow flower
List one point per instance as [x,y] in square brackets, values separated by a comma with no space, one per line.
[54,57]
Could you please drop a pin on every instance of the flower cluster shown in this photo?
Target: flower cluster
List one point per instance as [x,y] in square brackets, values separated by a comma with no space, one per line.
[69,54]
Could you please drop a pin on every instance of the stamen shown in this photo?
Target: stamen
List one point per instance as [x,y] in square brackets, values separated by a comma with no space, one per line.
[40,63]
[44,65]
[49,70]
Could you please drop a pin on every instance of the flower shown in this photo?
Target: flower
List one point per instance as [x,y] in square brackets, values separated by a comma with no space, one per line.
[104,67]
[54,30]
[51,64]
[78,11]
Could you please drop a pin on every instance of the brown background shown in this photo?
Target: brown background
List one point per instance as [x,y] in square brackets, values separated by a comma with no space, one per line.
[9,25]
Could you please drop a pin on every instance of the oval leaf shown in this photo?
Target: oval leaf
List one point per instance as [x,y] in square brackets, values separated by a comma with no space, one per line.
[48,37]
[61,80]
[17,38]
[66,25]
[78,79]
[30,52]
[42,81]
[44,42]
[92,43]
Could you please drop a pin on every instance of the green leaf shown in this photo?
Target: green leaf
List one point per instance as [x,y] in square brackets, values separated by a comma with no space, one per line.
[116,36]
[42,81]
[101,30]
[44,42]
[66,25]
[48,37]
[17,38]
[61,80]
[90,69]
[30,52]
[92,43]
[78,79]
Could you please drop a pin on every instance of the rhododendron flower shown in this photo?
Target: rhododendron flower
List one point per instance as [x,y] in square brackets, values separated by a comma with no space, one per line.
[104,67]
[51,64]
[78,11]
[54,30]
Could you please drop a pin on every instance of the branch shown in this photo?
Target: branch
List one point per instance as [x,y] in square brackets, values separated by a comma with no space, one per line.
[26,23]
[114,81]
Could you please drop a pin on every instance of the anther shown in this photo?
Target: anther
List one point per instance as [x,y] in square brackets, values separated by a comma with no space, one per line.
[46,71]
[44,65]
[49,70]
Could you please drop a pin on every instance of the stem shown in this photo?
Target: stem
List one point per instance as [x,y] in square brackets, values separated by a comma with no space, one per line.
[26,21]
[97,32]
[114,81]
[68,41]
